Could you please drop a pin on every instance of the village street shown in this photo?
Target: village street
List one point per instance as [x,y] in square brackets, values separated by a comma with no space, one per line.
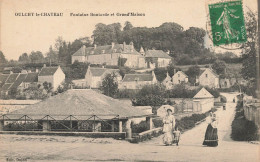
[53,148]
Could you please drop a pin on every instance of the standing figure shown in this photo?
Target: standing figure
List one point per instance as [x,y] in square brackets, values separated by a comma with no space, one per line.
[211,135]
[168,127]
[224,19]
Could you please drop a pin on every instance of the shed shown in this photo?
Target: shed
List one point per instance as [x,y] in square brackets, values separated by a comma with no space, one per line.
[203,101]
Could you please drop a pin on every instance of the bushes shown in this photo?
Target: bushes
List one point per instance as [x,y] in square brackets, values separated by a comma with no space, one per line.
[243,129]
[141,127]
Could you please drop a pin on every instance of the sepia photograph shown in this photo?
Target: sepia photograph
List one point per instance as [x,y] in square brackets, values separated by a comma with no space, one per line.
[129,80]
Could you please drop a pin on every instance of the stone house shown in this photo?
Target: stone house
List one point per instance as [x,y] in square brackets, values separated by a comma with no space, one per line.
[179,78]
[137,81]
[203,101]
[94,76]
[209,78]
[31,80]
[110,55]
[167,82]
[157,58]
[53,75]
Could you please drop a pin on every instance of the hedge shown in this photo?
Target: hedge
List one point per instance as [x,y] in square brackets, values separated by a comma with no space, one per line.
[243,129]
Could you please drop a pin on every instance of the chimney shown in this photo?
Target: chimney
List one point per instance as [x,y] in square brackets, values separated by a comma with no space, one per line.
[83,48]
[95,46]
[44,65]
[113,44]
[132,45]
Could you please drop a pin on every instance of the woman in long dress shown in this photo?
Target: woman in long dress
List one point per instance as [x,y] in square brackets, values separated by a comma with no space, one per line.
[168,127]
[211,135]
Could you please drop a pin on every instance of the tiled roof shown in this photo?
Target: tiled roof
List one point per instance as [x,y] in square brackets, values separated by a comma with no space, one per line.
[46,71]
[82,104]
[101,71]
[157,54]
[137,77]
[3,78]
[107,49]
[6,86]
[11,78]
[19,80]
[31,77]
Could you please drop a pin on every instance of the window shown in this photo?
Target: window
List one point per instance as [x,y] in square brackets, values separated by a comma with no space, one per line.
[206,75]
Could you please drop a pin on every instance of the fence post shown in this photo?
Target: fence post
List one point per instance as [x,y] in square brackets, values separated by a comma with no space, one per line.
[128,129]
[149,121]
[2,125]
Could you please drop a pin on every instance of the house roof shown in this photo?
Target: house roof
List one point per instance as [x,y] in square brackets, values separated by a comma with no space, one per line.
[11,78]
[157,54]
[46,71]
[137,77]
[31,77]
[106,49]
[6,86]
[81,103]
[101,71]
[181,73]
[19,80]
[3,78]
[203,93]
[203,70]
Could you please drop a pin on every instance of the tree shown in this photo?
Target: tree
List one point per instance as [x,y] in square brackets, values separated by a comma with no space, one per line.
[47,86]
[150,95]
[160,73]
[58,43]
[219,66]
[109,85]
[36,57]
[24,58]
[249,52]
[192,73]
[128,26]
[2,58]
[52,56]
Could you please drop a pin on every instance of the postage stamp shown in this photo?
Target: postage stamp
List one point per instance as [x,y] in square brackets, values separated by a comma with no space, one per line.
[227,23]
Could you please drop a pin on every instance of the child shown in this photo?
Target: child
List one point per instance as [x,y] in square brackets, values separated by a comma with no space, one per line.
[176,135]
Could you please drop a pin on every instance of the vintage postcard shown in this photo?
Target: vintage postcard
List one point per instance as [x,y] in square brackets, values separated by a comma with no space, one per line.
[129,80]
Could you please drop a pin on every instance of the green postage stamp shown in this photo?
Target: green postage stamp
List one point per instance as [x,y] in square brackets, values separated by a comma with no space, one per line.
[227,23]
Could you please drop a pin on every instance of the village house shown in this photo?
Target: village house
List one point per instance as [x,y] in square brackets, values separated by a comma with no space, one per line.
[157,58]
[110,55]
[179,77]
[203,101]
[137,81]
[94,76]
[53,75]
[167,82]
[209,78]
[31,80]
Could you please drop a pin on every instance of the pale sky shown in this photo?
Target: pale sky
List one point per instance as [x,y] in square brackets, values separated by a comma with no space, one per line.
[19,34]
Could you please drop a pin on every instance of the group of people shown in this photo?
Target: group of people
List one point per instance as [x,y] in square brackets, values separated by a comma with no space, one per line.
[171,134]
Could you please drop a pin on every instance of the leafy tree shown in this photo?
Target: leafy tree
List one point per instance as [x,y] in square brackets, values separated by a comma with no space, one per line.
[150,95]
[249,52]
[24,58]
[128,26]
[160,73]
[2,58]
[47,86]
[36,57]
[219,66]
[192,73]
[52,56]
[109,85]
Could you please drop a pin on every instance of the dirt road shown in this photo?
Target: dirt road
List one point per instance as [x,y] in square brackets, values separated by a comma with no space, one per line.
[36,148]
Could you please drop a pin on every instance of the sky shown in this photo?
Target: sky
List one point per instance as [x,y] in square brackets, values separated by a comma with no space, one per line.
[20,34]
